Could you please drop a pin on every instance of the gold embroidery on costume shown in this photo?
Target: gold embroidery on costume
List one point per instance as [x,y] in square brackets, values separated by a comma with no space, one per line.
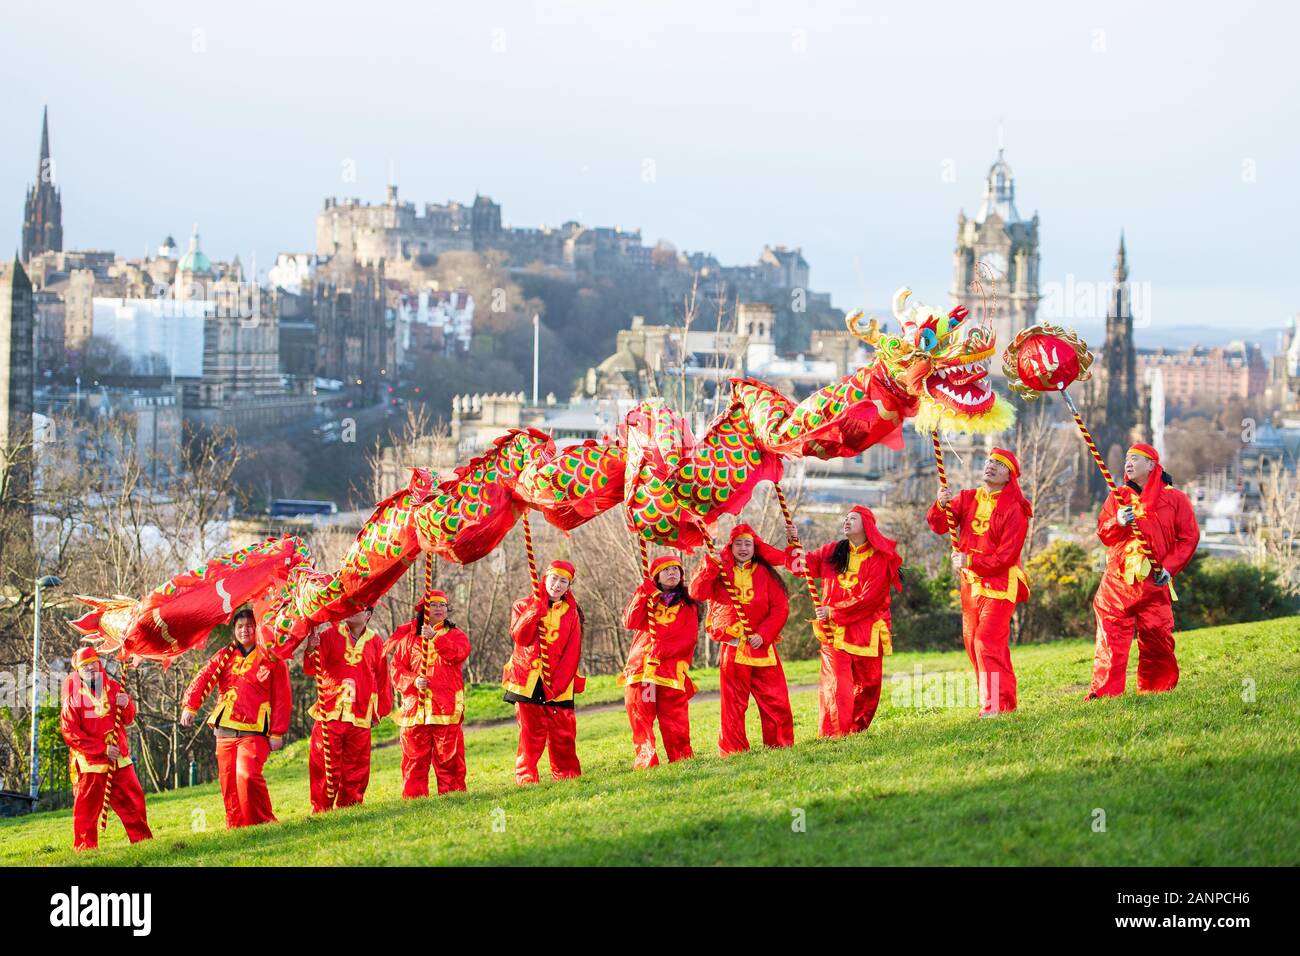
[985,502]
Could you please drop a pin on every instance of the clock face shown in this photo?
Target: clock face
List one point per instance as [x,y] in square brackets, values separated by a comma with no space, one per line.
[995,261]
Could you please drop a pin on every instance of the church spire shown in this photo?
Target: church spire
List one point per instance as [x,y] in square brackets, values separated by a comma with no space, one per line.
[45,144]
[43,212]
[1121,262]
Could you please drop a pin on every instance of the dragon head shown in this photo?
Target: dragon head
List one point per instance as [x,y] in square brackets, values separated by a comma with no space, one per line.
[941,360]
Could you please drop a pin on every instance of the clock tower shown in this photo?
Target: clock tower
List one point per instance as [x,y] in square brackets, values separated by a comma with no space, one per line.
[1008,245]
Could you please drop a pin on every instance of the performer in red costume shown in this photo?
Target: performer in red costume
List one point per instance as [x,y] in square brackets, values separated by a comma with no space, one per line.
[91,702]
[857,573]
[1135,593]
[428,655]
[254,701]
[541,677]
[749,663]
[666,625]
[992,522]
[353,692]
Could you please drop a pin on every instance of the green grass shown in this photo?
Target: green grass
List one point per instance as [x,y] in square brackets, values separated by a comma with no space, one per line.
[1195,777]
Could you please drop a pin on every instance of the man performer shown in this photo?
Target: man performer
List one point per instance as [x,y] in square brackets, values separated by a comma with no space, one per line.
[857,574]
[353,693]
[749,662]
[1135,594]
[666,626]
[254,702]
[428,655]
[88,717]
[541,677]
[992,522]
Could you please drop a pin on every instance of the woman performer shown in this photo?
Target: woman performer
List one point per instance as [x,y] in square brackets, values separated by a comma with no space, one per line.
[857,573]
[666,625]
[428,656]
[542,677]
[750,663]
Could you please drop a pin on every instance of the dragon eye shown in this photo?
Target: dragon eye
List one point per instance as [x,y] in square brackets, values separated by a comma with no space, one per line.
[927,339]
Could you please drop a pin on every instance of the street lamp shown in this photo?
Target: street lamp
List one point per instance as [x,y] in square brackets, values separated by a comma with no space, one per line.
[49,581]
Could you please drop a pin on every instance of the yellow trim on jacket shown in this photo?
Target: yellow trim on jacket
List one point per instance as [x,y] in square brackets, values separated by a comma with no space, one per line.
[534,675]
[648,674]
[423,716]
[83,764]
[344,710]
[881,642]
[219,718]
[979,589]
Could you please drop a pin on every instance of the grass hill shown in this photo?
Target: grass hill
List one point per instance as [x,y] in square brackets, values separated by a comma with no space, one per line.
[1206,775]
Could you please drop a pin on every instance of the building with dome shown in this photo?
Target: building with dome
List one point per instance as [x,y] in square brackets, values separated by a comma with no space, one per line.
[1008,245]
[193,271]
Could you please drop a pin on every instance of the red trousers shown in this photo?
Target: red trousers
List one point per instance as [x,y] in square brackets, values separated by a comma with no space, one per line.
[349,765]
[1151,617]
[126,798]
[443,745]
[986,632]
[768,687]
[243,788]
[553,729]
[849,693]
[648,702]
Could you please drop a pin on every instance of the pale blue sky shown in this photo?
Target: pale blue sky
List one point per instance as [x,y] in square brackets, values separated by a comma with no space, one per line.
[823,125]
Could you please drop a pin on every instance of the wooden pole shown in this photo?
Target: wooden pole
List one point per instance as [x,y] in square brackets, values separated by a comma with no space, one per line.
[943,483]
[1138,536]
[792,540]
[119,734]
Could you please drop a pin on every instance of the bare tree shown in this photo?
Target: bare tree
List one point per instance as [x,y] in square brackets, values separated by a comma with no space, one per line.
[1046,447]
[1276,533]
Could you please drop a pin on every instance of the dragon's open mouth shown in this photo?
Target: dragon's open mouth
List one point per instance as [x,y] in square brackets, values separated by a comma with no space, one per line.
[962,386]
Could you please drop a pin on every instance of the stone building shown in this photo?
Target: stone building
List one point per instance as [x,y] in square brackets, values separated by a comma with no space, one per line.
[43,211]
[1209,377]
[354,327]
[651,360]
[152,418]
[352,230]
[1008,244]
[17,370]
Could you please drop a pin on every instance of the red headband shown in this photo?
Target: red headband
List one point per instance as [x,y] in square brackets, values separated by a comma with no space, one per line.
[563,568]
[1146,451]
[1007,458]
[662,562]
[84,655]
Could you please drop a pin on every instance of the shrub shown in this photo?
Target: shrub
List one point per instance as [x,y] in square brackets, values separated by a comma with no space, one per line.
[1214,591]
[1062,581]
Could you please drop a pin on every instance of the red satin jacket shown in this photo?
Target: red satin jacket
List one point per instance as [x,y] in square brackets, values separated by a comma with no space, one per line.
[440,660]
[660,654]
[253,691]
[87,721]
[859,599]
[761,597]
[1171,531]
[993,536]
[548,648]
[353,685]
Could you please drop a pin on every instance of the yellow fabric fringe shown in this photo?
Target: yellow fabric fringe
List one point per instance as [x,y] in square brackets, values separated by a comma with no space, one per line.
[935,416]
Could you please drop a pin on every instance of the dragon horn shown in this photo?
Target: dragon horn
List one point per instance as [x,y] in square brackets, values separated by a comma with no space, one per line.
[900,302]
[854,322]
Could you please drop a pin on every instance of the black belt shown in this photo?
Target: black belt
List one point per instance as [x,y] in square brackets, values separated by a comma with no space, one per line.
[225,732]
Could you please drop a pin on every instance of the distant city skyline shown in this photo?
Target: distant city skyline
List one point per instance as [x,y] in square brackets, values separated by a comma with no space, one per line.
[851,131]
